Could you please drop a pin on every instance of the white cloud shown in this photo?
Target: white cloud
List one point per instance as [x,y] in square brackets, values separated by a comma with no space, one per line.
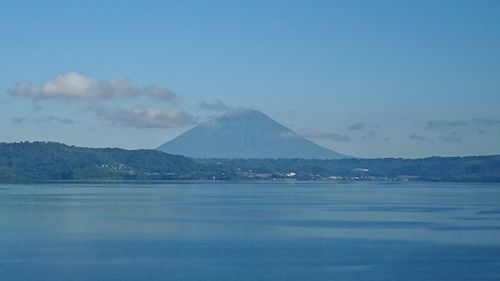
[78,87]
[118,88]
[217,106]
[147,117]
[159,93]
[71,85]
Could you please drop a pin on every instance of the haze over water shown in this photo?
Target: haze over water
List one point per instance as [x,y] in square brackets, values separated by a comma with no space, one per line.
[250,231]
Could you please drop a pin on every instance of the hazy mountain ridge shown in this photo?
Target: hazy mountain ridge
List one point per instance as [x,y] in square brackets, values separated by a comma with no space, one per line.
[245,134]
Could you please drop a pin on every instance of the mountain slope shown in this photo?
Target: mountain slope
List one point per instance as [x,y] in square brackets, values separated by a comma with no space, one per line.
[245,134]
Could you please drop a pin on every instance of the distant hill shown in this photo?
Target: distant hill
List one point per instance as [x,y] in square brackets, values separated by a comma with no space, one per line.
[245,134]
[47,161]
[436,169]
[55,161]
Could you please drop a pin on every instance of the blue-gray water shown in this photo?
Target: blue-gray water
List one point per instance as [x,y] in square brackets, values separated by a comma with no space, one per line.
[250,231]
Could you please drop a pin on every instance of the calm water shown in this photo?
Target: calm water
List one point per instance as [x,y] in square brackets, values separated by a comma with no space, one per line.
[251,231]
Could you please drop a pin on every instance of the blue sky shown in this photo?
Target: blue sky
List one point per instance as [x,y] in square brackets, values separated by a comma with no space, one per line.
[365,78]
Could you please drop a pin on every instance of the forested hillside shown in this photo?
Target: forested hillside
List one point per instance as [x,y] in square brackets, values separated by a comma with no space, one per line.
[45,161]
[55,161]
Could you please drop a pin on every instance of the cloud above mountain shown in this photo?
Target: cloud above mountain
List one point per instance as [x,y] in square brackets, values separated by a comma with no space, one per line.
[76,87]
[147,117]
[73,86]
[159,93]
[217,106]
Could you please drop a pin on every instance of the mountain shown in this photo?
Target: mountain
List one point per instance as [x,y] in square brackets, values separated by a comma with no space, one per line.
[245,134]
